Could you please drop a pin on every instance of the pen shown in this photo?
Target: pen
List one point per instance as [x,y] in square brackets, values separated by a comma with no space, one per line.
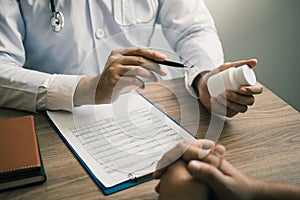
[170,63]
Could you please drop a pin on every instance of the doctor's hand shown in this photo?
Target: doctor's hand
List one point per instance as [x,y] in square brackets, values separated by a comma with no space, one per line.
[122,71]
[228,103]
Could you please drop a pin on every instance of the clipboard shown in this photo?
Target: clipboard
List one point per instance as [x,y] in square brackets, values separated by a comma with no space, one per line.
[131,180]
[106,190]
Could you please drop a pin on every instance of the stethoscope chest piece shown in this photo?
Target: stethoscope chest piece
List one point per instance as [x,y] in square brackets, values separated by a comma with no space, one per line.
[57,22]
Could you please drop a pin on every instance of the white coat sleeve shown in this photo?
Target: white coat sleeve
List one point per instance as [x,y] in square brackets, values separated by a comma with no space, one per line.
[190,30]
[19,87]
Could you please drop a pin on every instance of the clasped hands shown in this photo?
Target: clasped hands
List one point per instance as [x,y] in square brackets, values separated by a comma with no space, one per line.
[199,170]
[126,66]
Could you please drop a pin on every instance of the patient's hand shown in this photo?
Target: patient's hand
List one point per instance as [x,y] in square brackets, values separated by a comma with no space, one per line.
[178,183]
[187,151]
[226,181]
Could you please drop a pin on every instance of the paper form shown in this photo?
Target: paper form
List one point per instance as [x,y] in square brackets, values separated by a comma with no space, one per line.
[122,140]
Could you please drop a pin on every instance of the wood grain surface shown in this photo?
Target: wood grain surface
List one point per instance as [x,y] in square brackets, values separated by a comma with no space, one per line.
[263,142]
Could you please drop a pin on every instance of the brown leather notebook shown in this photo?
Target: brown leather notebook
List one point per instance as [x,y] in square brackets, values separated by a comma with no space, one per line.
[20,159]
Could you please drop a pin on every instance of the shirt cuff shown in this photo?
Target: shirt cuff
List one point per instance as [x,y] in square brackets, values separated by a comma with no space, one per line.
[190,75]
[60,91]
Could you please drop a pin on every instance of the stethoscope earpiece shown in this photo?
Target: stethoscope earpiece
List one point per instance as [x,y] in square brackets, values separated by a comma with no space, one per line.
[57,22]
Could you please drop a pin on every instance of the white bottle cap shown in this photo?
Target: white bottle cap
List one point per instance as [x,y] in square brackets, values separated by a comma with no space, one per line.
[246,75]
[231,79]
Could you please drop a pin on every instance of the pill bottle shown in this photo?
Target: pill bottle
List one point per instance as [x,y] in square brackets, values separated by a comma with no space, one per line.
[231,79]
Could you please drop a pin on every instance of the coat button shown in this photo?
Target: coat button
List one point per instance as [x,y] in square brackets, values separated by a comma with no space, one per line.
[99,33]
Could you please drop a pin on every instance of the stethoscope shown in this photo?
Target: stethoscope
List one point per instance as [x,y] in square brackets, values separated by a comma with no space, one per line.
[57,19]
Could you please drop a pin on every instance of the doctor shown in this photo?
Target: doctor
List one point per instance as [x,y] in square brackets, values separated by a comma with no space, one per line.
[59,54]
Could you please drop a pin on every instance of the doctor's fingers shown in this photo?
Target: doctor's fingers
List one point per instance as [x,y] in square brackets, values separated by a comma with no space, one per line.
[251,62]
[235,97]
[231,105]
[251,90]
[147,53]
[141,62]
[221,109]
[133,71]
[125,84]
[109,90]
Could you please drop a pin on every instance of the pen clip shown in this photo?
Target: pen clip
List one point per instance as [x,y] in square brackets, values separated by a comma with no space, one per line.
[141,178]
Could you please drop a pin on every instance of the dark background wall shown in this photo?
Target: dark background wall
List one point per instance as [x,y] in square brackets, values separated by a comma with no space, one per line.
[268,30]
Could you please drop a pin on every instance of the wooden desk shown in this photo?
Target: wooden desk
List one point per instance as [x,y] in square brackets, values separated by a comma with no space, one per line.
[263,143]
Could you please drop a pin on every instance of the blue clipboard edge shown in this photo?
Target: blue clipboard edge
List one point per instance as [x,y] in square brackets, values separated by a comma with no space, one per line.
[105,190]
[121,186]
